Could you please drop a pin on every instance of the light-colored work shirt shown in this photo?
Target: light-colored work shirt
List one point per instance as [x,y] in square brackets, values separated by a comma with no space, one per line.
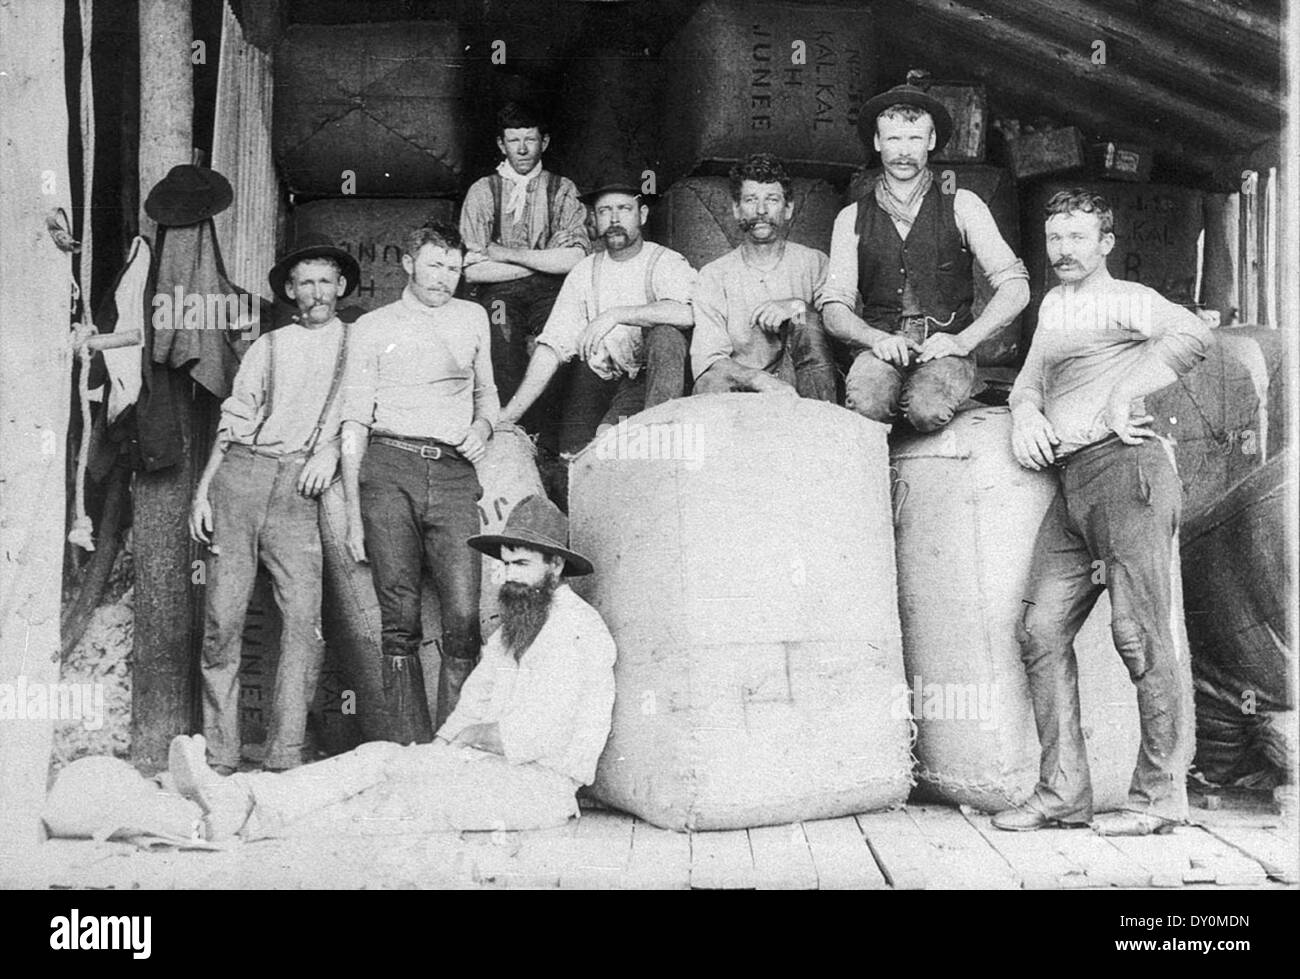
[304,371]
[421,371]
[728,292]
[979,233]
[582,298]
[553,707]
[532,230]
[1087,339]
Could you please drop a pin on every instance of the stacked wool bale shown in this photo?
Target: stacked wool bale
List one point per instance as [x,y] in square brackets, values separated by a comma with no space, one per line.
[374,233]
[967,516]
[785,78]
[996,188]
[1235,562]
[391,104]
[758,637]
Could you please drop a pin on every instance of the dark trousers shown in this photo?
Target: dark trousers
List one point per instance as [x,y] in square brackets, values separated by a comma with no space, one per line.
[259,517]
[417,514]
[591,401]
[517,310]
[807,362]
[1113,520]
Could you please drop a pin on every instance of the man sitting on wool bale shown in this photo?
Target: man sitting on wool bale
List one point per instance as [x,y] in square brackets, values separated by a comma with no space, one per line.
[755,307]
[625,312]
[1100,347]
[528,730]
[907,248]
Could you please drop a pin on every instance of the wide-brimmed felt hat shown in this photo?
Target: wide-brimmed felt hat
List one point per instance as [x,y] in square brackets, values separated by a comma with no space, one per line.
[307,247]
[905,95]
[188,195]
[621,184]
[536,523]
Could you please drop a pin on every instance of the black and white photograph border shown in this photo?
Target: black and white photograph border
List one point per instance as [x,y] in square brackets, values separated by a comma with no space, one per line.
[649,445]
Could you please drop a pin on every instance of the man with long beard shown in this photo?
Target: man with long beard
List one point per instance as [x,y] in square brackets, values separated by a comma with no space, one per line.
[624,313]
[527,732]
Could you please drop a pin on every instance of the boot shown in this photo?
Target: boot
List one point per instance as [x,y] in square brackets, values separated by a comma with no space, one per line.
[452,674]
[405,709]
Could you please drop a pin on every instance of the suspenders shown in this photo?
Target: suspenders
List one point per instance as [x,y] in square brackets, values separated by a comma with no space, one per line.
[340,361]
[656,253]
[498,214]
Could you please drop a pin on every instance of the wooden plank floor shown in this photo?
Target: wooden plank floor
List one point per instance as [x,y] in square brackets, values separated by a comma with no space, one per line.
[920,846]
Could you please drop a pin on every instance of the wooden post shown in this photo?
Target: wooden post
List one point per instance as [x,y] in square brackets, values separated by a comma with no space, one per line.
[35,364]
[164,664]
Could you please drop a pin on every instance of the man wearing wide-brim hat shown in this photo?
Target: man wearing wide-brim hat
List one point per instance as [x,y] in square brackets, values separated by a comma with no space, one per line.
[906,248]
[527,732]
[277,449]
[624,313]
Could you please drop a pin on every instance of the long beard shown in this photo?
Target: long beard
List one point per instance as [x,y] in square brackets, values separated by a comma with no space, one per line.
[524,610]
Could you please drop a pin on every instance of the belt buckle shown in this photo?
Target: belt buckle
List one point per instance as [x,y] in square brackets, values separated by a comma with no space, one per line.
[430,452]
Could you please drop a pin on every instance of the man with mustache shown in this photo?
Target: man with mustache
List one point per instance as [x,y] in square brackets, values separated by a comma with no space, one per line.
[1077,409]
[625,313]
[906,249]
[277,449]
[528,732]
[420,404]
[524,229]
[755,307]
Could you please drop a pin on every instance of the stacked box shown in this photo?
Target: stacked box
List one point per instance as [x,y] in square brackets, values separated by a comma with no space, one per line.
[1054,151]
[968,105]
[785,78]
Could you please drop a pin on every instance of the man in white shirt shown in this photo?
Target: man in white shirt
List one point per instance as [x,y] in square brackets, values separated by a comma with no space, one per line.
[277,449]
[528,731]
[906,250]
[624,313]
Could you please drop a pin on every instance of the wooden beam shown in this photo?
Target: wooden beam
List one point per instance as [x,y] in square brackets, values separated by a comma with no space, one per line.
[1197,71]
[1022,48]
[35,366]
[163,662]
[1033,90]
[1237,32]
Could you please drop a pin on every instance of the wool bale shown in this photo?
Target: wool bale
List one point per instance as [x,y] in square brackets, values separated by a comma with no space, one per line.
[758,637]
[374,233]
[1235,563]
[606,124]
[967,517]
[694,217]
[388,103]
[996,188]
[1226,415]
[1156,231]
[787,78]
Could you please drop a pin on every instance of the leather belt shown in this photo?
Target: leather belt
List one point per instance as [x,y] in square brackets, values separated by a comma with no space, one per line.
[424,448]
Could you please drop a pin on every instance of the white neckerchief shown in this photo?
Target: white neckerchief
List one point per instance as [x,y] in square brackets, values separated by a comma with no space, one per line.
[518,187]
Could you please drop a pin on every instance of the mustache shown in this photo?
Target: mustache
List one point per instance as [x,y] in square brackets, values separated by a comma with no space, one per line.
[1063,263]
[745,224]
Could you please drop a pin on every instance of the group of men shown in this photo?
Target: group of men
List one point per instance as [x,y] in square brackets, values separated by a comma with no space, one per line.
[403,404]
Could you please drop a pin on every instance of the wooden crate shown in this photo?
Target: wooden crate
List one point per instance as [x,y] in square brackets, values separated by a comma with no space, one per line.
[1054,151]
[968,105]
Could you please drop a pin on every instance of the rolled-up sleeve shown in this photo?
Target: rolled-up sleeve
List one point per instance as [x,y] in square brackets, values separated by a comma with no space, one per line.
[710,341]
[571,218]
[841,284]
[242,410]
[568,314]
[976,224]
[476,216]
[360,378]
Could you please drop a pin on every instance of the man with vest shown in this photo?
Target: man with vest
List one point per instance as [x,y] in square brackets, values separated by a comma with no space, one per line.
[524,228]
[756,325]
[625,312]
[906,249]
[277,449]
